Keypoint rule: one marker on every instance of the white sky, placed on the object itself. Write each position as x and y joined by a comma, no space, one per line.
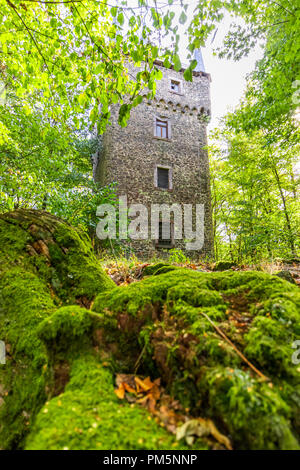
228,76
228,81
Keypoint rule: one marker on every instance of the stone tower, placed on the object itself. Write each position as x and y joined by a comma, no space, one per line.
160,157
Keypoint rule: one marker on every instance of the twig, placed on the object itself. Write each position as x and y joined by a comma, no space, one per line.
96,316
264,377
138,361
284,8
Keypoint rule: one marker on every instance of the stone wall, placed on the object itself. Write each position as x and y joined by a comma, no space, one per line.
130,155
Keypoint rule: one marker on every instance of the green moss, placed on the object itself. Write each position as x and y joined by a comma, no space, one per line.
223,265
14,239
24,303
77,268
88,415
58,253
70,421
270,346
43,264
237,279
65,328
252,411
286,275
158,268
259,314
166,324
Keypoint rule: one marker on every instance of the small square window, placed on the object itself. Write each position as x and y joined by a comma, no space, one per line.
161,129
163,178
175,86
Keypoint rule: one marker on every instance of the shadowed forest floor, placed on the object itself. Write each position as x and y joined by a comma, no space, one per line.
123,271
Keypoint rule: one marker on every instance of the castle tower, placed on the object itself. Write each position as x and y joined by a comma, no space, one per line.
160,157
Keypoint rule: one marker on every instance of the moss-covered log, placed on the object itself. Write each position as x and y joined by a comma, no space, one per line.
68,330
44,264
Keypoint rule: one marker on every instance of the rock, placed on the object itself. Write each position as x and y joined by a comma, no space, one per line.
158,268
292,260
175,315
286,275
223,265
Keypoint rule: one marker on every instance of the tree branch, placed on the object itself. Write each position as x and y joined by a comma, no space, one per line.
14,8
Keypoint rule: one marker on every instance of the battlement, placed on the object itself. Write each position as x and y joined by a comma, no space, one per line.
187,97
178,107
196,73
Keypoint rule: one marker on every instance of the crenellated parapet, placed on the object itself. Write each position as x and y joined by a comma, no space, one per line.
177,106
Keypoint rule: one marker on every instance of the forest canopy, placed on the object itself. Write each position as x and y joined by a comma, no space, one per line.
63,63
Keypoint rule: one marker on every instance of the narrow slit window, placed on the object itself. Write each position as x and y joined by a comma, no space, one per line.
163,178
164,235
162,129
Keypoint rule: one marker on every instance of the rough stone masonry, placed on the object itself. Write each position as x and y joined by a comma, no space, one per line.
160,157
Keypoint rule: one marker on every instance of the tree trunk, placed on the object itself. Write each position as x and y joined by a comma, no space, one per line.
287,217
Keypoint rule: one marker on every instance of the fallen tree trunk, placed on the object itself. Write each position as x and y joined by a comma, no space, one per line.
68,330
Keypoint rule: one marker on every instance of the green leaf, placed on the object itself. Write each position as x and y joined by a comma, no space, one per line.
158,74
188,75
114,11
98,69
120,19
193,64
182,18
177,63
82,99
138,100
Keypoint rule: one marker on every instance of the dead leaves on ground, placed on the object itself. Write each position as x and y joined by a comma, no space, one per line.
168,412
126,273
144,391
125,384
122,274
